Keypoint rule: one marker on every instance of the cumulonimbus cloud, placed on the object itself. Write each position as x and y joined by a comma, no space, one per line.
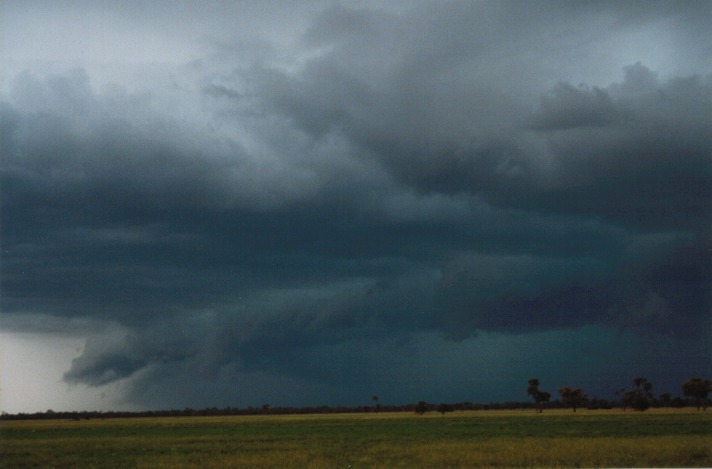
384,186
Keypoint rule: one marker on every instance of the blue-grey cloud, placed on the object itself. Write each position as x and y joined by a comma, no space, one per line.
414,177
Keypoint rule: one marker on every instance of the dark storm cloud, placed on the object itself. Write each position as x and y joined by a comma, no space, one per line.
410,174
629,152
671,294
570,107
636,152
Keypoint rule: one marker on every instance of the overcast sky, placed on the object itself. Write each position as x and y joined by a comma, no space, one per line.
308,203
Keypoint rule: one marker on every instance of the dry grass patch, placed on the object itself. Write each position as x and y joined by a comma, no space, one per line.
461,439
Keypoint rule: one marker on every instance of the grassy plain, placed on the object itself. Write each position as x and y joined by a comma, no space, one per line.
556,438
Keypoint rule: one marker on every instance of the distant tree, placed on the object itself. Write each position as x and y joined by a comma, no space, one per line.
621,393
638,398
374,398
422,407
666,397
536,394
573,397
442,408
598,403
543,397
698,389
533,388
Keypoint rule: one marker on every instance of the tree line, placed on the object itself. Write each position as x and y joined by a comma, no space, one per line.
639,397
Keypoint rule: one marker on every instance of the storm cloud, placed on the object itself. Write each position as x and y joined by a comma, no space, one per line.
373,199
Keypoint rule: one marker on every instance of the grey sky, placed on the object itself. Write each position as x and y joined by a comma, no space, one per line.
308,203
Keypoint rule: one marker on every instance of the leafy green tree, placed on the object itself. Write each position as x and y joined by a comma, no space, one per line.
573,397
537,395
698,389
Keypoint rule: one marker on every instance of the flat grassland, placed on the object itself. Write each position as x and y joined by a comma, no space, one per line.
556,438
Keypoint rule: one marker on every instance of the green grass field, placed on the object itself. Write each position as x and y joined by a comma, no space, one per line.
656,438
